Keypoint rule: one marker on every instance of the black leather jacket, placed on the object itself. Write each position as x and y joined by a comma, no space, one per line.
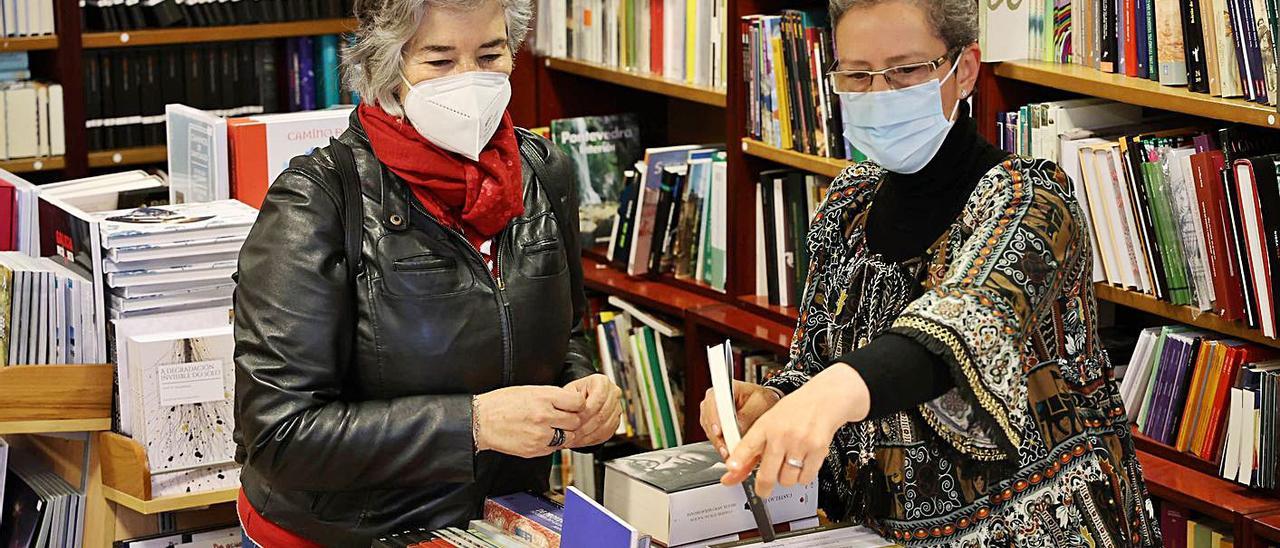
339,450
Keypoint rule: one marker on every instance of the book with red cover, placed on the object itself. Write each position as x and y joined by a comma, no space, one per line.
656,37
1173,524
8,217
1260,210
1223,268
1131,38
1237,354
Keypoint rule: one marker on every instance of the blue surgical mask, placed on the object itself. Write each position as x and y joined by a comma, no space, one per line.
899,129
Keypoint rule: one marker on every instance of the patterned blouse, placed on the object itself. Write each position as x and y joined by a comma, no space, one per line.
1032,447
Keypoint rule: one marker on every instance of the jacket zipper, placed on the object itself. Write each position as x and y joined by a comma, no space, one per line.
504,305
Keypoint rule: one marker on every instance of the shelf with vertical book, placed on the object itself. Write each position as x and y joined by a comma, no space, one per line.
637,80
828,167
1204,493
33,165
1181,314
1136,91
189,35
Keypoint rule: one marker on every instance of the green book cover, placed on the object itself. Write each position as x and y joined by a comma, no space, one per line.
1166,234
794,189
1201,535
657,433
1152,373
661,388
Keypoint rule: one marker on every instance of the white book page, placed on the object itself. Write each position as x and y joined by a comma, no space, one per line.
720,359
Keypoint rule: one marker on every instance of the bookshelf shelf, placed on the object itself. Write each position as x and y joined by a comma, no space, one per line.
1136,91
169,504
759,304
29,43
1150,445
188,35
129,156
1203,493
643,82
652,294
1267,527
1181,314
55,398
33,165
743,325
828,167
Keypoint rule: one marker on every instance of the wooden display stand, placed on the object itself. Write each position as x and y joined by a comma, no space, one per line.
55,398
126,480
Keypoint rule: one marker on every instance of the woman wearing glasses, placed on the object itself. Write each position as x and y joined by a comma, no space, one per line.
947,385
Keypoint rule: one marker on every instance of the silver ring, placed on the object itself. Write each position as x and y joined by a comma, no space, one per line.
795,463
557,437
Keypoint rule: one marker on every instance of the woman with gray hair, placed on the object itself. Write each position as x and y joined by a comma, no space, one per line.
408,318
947,385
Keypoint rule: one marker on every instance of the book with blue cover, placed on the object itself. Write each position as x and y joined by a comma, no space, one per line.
587,524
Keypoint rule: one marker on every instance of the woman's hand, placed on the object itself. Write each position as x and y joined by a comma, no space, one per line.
602,411
798,431
521,420
752,400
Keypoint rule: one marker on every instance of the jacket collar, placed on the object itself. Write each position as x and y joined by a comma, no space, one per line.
390,191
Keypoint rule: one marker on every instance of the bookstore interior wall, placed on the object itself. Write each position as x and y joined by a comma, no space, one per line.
709,134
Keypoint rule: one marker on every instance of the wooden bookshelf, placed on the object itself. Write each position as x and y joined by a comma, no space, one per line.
1266,529
1150,445
33,165
190,35
829,167
1181,314
170,504
745,326
1137,91
640,81
29,43
55,398
759,304
129,156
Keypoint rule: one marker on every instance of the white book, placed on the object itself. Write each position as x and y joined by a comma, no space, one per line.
1248,435
762,272
199,272
183,247
199,163
675,495
643,31
57,116
4,130
46,16
42,119
96,183
1069,152
1137,257
20,118
1115,236
12,27
110,266
1133,387
1259,261
196,299
224,218
785,284
183,386
1230,467
646,318
720,364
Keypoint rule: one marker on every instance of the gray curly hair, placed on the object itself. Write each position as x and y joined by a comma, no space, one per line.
373,64
954,21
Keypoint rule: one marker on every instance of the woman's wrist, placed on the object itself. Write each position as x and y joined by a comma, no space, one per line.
851,388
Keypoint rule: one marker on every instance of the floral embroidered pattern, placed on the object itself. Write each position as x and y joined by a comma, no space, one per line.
1032,446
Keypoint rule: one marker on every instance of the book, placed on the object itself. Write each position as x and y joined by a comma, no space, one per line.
198,157
262,146
587,523
533,518
675,496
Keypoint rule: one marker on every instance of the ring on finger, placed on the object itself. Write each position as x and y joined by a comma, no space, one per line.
795,463
557,437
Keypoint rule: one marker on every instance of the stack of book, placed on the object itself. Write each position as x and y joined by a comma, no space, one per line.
1213,398
126,90
45,312
31,115
218,536
682,40
641,354
27,18
673,217
111,15
40,508
1187,215
791,102
1224,48
1180,528
19,202
787,200
172,258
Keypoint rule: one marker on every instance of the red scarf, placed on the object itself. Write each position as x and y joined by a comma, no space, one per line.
479,198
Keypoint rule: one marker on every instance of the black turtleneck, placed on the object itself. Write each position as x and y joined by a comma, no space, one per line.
908,214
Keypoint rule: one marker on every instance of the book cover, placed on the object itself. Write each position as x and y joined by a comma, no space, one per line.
1193,405
1193,43
262,146
158,225
1226,279
602,149
330,83
198,160
529,517
656,161
1177,398
1260,216
1239,245
587,524
1171,54
183,388
1263,19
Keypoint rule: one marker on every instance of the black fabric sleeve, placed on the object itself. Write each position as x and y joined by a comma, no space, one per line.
900,373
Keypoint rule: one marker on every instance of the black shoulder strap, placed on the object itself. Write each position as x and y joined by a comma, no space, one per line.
352,206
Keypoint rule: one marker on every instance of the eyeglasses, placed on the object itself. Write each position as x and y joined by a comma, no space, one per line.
901,76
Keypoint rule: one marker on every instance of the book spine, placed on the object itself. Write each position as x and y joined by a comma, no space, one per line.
1239,248
1193,46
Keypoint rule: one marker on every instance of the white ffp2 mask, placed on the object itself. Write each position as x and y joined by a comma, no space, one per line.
459,113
